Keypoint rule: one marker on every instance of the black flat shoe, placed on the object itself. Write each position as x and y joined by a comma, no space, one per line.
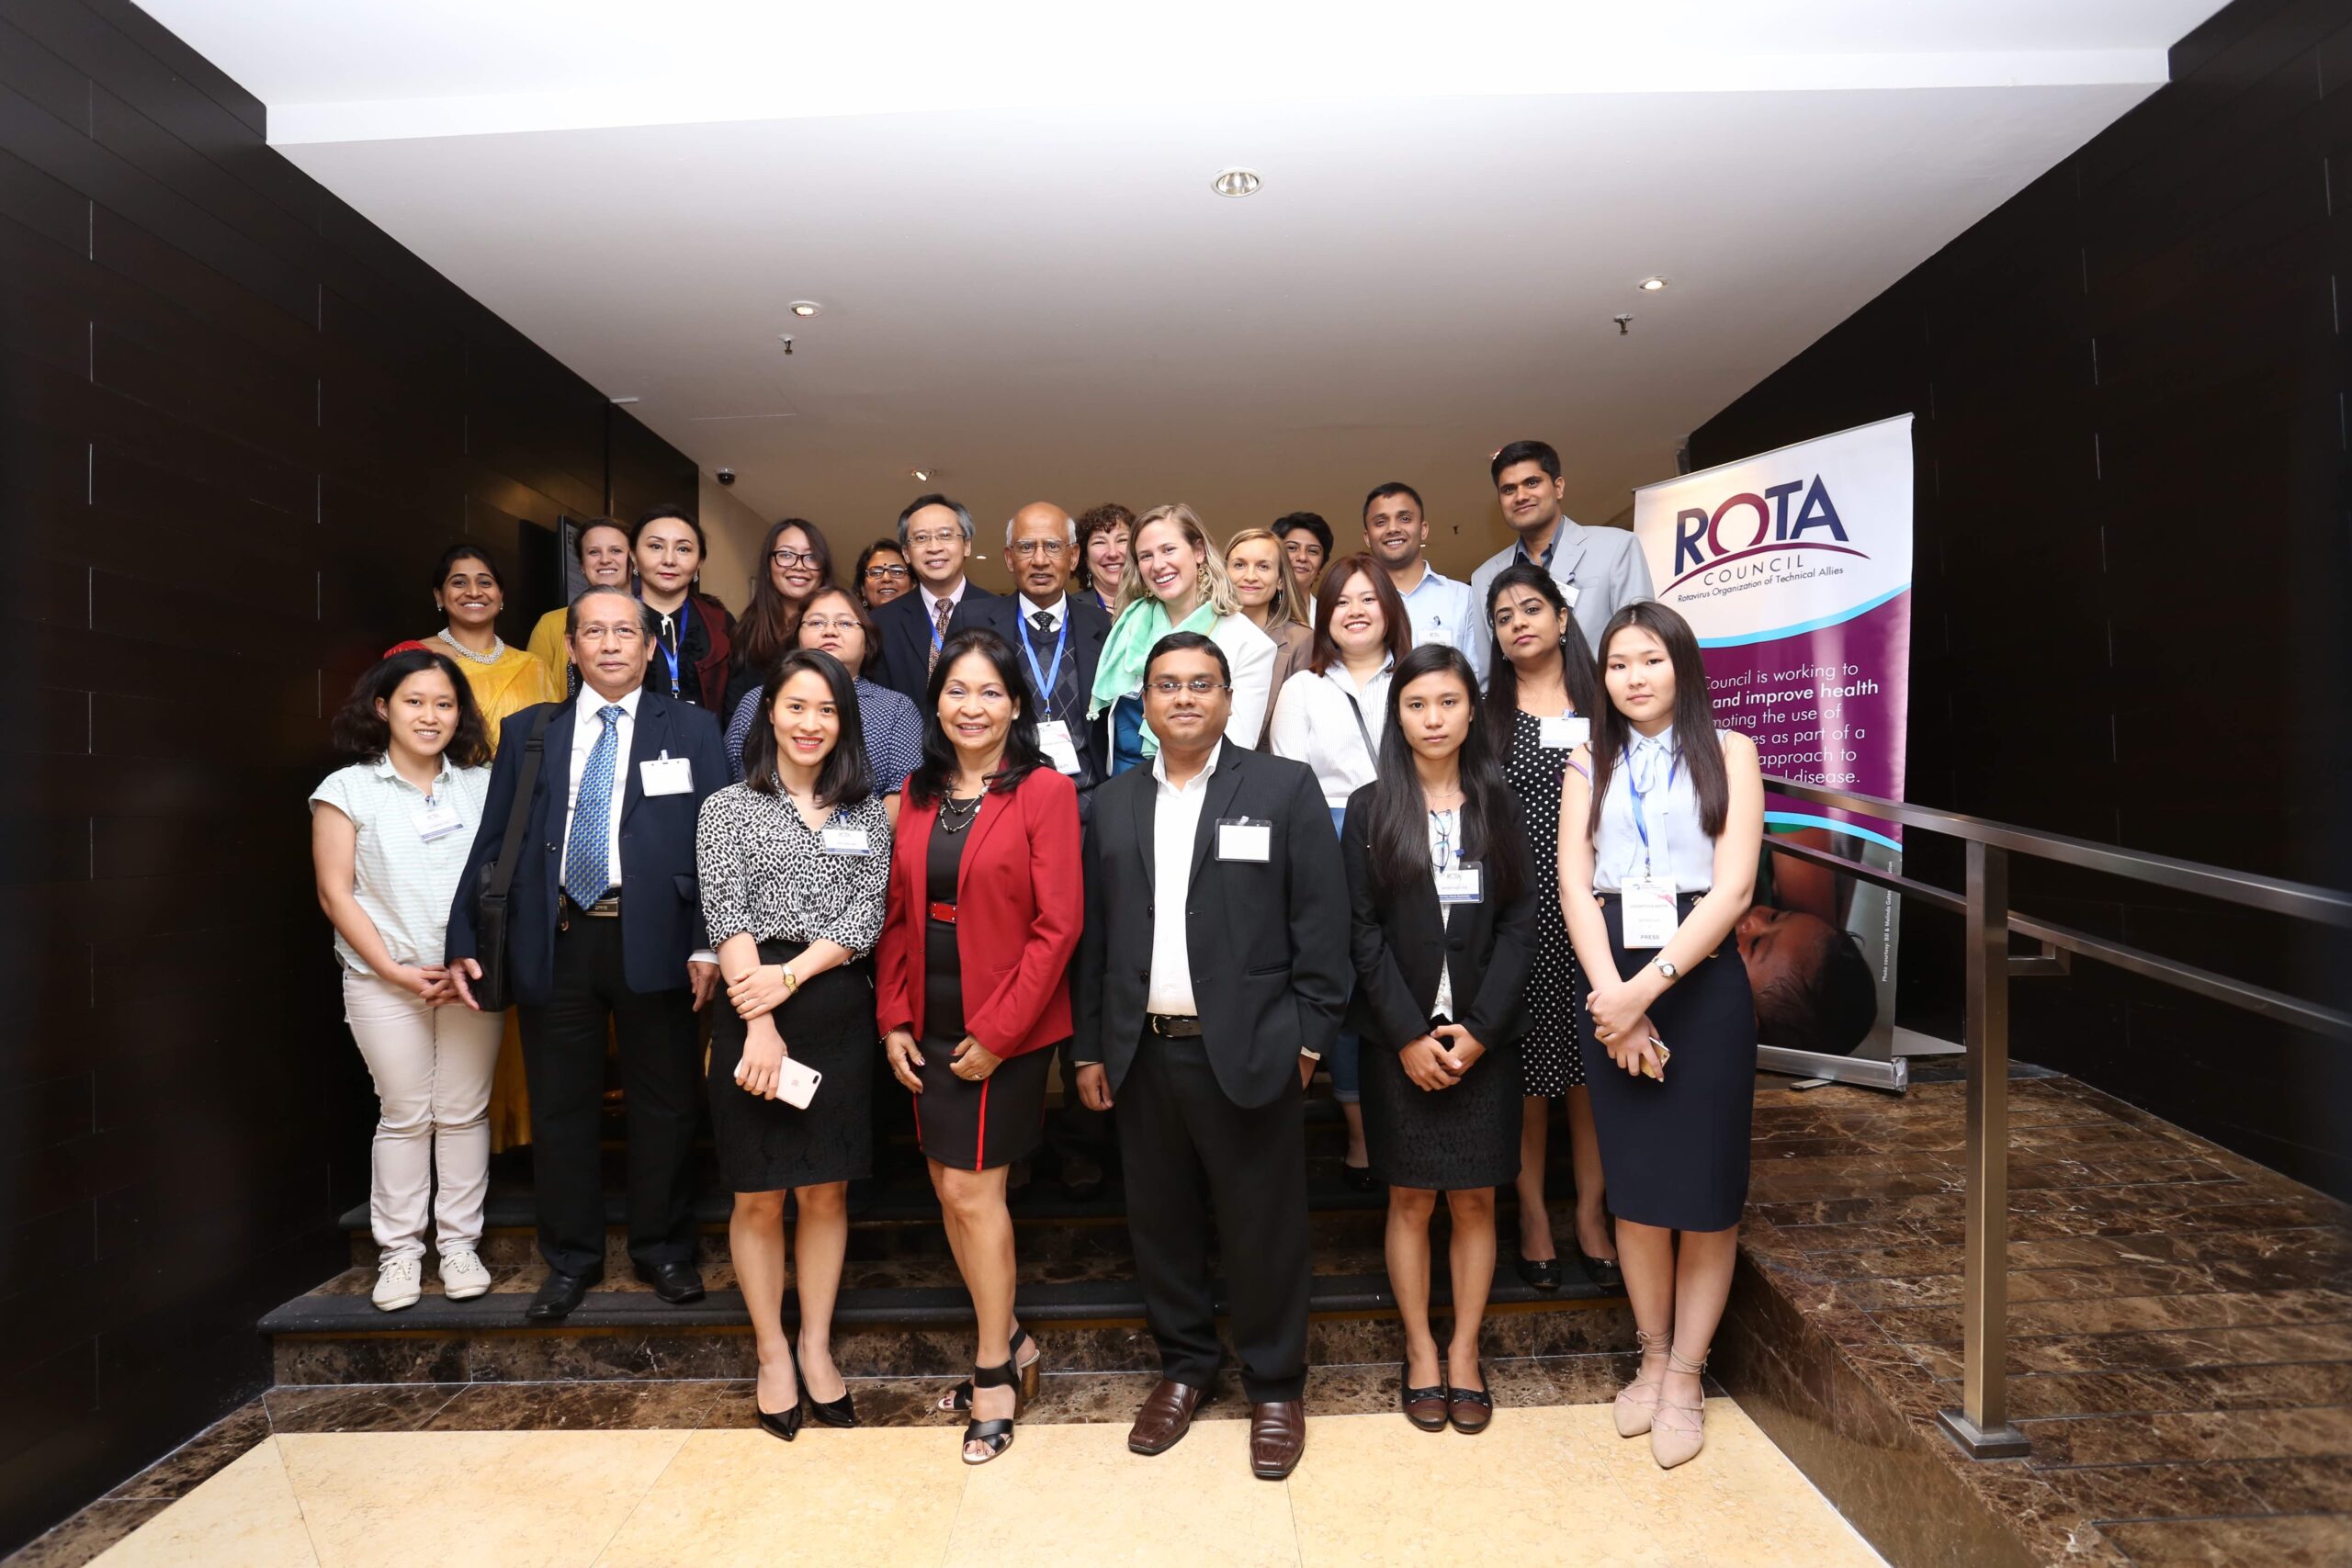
842,1412
1540,1273
1359,1178
1081,1178
1424,1407
1471,1410
1602,1271
677,1283
559,1296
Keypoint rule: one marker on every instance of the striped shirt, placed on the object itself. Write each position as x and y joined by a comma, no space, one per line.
404,881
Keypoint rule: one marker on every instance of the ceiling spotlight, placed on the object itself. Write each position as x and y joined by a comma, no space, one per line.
1235,182
1650,285
920,475
810,307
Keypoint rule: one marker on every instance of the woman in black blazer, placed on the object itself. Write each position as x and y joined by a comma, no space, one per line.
1444,931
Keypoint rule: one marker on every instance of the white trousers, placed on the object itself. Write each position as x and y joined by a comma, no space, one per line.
432,1067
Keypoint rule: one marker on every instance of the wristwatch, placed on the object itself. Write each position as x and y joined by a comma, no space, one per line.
1667,968
791,981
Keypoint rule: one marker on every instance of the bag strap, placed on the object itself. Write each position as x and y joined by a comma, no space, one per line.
502,878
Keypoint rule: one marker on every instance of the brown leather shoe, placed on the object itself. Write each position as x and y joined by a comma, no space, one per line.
1277,1436
1166,1416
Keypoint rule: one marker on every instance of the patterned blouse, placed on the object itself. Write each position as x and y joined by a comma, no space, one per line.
765,875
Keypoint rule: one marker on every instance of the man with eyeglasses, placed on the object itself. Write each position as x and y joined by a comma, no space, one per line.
1211,977
935,533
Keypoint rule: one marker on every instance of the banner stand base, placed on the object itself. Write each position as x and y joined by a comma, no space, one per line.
1894,1077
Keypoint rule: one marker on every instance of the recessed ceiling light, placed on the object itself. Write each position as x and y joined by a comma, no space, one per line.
1235,182
806,307
1650,285
920,475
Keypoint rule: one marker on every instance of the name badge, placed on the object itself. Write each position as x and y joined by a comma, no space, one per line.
1054,735
1571,592
1463,885
1240,838
439,820
844,841
668,775
1650,915
1564,734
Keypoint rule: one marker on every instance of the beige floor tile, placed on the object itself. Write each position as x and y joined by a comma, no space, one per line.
844,1499
1740,1502
507,1499
1074,1495
243,1517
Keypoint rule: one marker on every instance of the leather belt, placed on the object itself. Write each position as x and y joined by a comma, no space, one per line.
608,907
944,913
1175,1026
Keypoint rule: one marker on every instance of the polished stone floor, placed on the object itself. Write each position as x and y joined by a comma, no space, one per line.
670,1475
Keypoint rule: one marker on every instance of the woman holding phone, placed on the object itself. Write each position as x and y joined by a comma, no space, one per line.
795,864
1444,931
1661,818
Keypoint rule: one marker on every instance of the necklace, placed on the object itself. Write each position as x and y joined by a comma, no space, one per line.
955,815
497,648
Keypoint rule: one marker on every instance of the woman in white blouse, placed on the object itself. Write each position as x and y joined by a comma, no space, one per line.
1329,716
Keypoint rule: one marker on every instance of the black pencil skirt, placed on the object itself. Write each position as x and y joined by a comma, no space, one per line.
766,1145
1675,1154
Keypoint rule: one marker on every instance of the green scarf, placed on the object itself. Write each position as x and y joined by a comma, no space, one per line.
1119,672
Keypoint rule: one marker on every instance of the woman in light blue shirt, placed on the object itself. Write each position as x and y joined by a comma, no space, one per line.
1660,822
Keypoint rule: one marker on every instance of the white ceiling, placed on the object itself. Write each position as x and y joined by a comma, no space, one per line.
1028,286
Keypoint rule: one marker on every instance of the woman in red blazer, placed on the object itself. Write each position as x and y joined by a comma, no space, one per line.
971,983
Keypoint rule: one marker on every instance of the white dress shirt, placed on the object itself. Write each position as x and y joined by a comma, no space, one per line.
1442,612
1314,724
586,730
1175,828
1054,613
930,602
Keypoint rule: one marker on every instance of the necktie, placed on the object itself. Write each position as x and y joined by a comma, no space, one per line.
940,616
1044,621
586,874
1650,766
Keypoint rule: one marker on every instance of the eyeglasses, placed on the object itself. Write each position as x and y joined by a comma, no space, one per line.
1030,549
940,536
889,574
795,557
1199,685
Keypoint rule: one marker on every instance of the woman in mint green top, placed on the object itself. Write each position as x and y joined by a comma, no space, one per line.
1175,581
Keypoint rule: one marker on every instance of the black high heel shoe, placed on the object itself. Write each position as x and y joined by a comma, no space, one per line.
995,1435
783,1424
959,1398
840,1413
1359,1178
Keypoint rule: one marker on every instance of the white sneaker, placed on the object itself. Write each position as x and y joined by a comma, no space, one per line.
462,1275
399,1282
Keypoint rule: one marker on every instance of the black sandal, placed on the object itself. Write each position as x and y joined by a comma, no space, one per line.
997,1435
959,1398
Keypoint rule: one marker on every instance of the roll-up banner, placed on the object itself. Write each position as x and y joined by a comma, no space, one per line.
1794,570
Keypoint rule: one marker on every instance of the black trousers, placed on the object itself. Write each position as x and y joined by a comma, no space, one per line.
564,1059
1190,1153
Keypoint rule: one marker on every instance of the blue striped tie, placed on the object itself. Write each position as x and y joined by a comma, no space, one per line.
585,873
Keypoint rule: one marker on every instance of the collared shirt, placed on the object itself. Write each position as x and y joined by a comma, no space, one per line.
1316,723
1677,844
1442,611
1175,828
1054,613
404,881
586,730
930,602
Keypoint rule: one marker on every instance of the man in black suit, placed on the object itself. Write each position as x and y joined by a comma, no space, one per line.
1211,977
1060,641
936,535
605,937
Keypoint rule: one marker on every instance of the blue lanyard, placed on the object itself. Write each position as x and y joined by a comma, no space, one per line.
1634,794
686,619
1053,672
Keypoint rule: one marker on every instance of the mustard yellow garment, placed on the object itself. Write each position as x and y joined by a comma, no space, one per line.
548,647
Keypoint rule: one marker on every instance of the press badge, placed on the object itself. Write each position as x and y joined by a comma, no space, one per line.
844,841
1463,885
1563,734
1241,839
1053,735
1649,909
668,775
439,820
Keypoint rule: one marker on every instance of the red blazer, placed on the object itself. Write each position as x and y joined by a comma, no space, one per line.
1019,905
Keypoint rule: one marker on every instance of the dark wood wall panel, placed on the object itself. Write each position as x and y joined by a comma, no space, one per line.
238,423
2131,614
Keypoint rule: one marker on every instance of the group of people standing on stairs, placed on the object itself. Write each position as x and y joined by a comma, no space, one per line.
1147,815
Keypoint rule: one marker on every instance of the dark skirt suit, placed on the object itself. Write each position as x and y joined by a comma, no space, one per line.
1467,1136
1007,935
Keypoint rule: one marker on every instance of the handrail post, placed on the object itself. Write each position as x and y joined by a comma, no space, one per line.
1980,1427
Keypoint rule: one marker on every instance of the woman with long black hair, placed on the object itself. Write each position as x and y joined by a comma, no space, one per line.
794,564
1443,928
1540,699
1657,861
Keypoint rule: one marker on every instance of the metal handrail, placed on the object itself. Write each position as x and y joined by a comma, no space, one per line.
1981,1426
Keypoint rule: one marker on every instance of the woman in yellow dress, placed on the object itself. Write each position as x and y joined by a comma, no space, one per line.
504,681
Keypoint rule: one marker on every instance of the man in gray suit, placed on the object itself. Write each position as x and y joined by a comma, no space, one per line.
1599,571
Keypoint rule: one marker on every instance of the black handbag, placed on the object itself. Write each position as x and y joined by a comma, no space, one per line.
494,992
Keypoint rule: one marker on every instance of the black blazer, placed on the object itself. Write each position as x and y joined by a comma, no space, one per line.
903,628
1399,941
661,899
1267,942
1090,628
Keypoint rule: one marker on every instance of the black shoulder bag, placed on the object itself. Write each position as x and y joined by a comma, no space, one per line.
495,990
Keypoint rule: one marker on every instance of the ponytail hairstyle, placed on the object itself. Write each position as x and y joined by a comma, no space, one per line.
1694,715
1492,832
1577,665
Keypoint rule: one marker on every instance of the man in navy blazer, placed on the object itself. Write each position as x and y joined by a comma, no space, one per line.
605,940
936,534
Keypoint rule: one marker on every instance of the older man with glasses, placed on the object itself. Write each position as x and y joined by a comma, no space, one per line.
935,533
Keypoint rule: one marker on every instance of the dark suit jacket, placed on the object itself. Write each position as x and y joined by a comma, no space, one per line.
1400,938
903,628
1268,942
1089,628
661,901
